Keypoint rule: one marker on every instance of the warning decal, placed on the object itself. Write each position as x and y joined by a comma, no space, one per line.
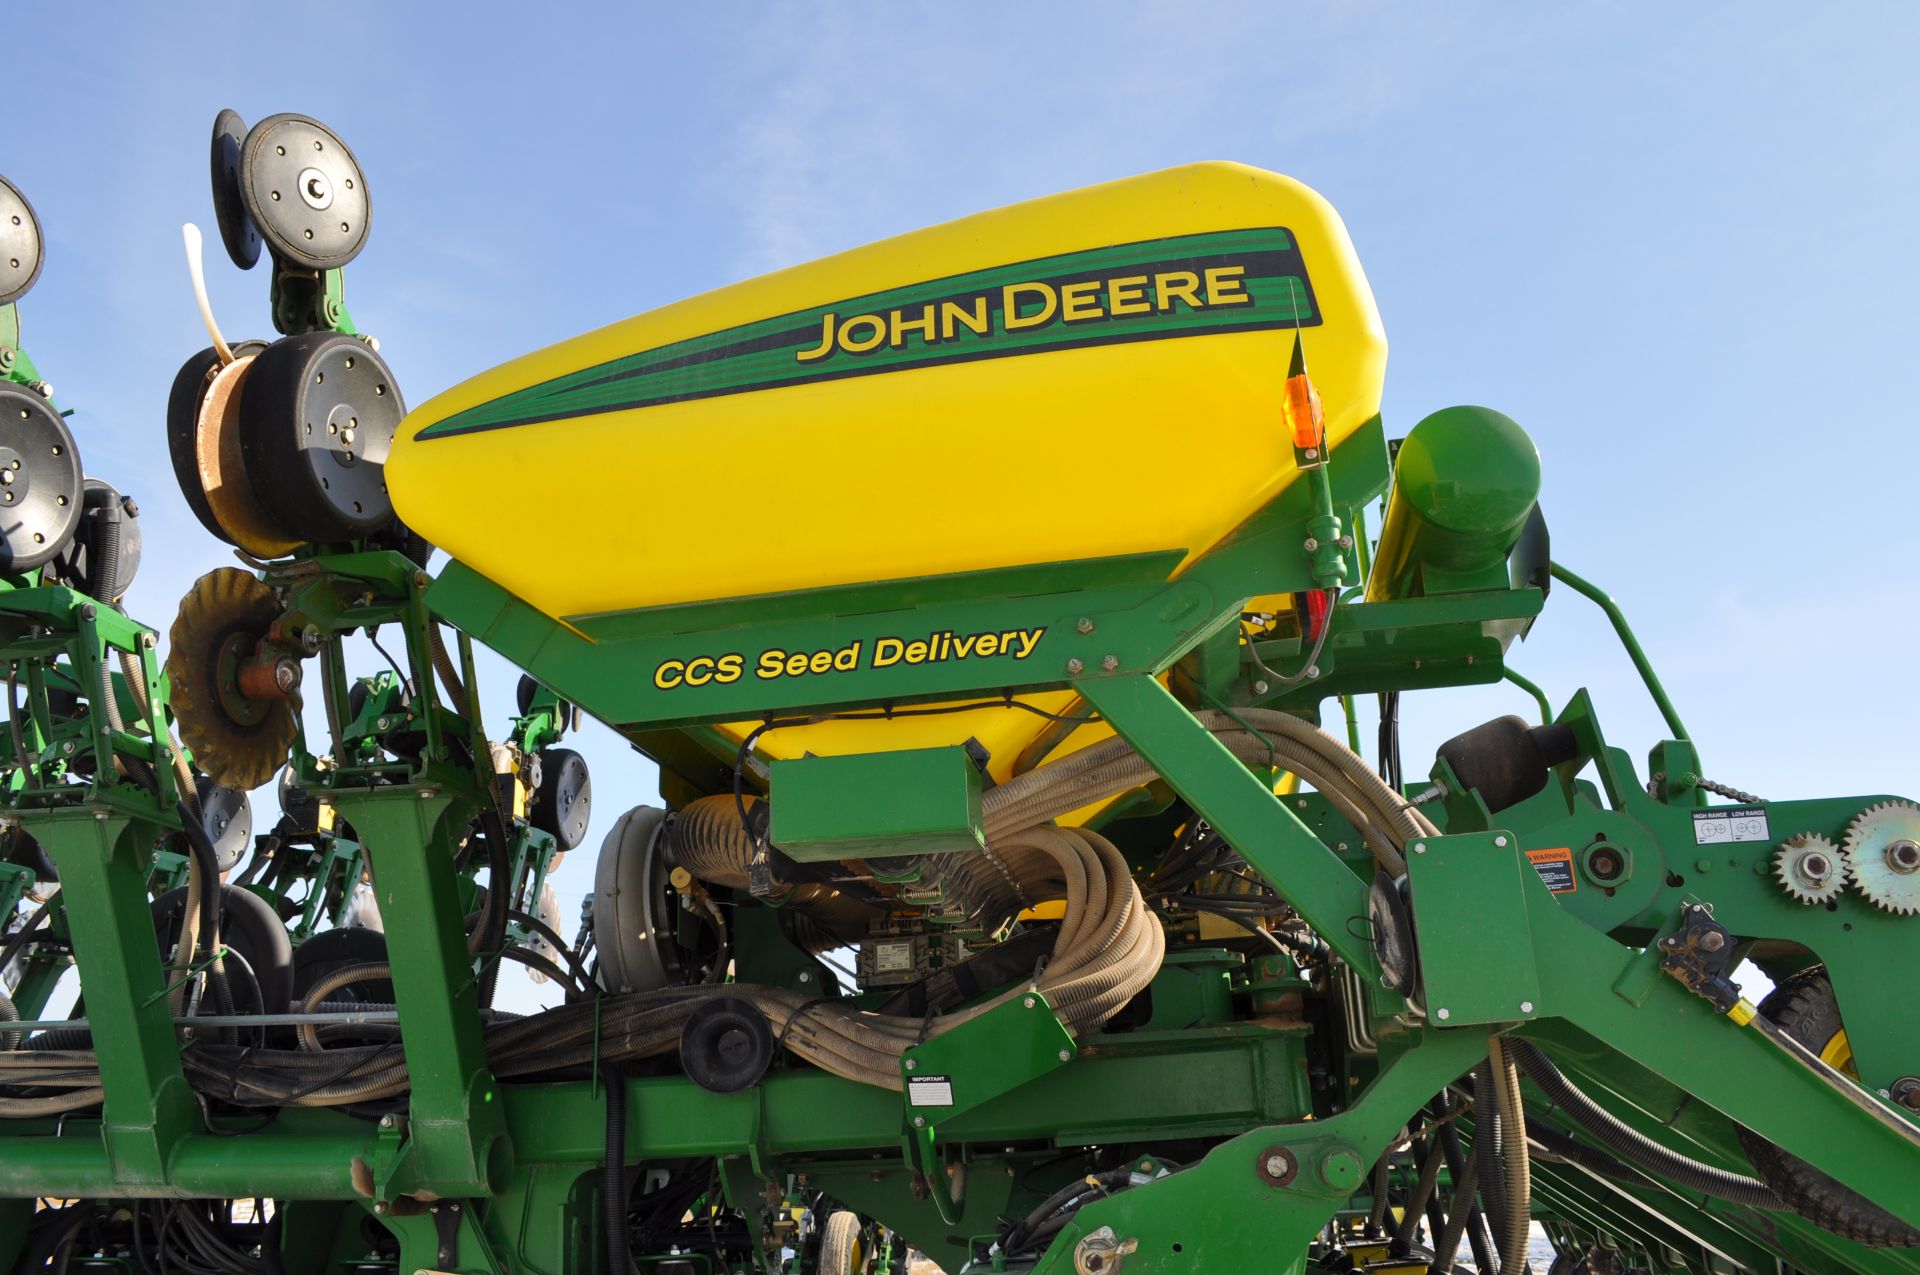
1736,823
930,1091
1555,867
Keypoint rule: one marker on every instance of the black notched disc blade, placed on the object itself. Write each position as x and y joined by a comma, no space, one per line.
21,249
318,414
237,230
305,192
40,480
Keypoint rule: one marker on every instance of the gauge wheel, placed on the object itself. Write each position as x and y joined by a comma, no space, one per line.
843,1249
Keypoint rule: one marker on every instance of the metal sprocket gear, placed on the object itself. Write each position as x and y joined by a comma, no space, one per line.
1810,868
238,739
1882,846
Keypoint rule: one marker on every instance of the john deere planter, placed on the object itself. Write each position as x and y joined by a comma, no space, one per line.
995,601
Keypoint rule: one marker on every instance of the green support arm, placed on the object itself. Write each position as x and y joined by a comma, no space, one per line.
1309,876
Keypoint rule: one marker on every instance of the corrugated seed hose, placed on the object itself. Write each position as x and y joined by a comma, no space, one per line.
1517,1172
1631,1145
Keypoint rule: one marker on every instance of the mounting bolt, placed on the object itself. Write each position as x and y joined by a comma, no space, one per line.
1501,842
1029,1002
1526,1007
146,641
1419,847
1443,1013
912,1064
919,1122
428,794
1074,665
1260,688
1712,941
1311,544
1277,1166
387,1122
1346,542
379,1206
1066,1055
1084,624
1109,662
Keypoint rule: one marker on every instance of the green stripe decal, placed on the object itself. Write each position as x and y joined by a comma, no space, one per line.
1157,289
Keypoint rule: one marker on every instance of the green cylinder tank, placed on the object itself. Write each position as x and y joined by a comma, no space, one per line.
1464,484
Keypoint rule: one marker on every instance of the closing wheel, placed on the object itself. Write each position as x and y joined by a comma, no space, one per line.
305,192
22,251
184,403
239,516
318,413
563,805
1805,1007
239,739
40,480
237,231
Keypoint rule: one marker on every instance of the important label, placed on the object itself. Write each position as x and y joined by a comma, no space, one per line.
1724,827
1555,867
930,1091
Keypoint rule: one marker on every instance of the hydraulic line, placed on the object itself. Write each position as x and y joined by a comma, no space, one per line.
1459,1213
1464,1171
1634,1147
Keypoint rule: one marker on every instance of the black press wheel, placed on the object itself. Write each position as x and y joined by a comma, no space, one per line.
40,480
318,415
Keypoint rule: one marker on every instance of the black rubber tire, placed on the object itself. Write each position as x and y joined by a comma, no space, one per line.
839,1240
331,950
183,425
294,421
250,926
1805,1007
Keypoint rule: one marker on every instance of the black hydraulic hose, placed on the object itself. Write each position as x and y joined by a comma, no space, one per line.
1377,1215
24,935
208,861
1486,1136
1562,1146
13,716
1460,1214
1633,1146
499,888
613,1180
1463,1170
1422,1195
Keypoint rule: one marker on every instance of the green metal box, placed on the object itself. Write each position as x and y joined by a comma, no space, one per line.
909,802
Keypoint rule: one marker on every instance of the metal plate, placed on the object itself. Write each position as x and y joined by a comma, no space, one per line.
22,252
237,230
305,192
40,479
318,416
222,470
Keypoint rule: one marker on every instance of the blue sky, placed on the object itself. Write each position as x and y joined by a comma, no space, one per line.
1673,241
